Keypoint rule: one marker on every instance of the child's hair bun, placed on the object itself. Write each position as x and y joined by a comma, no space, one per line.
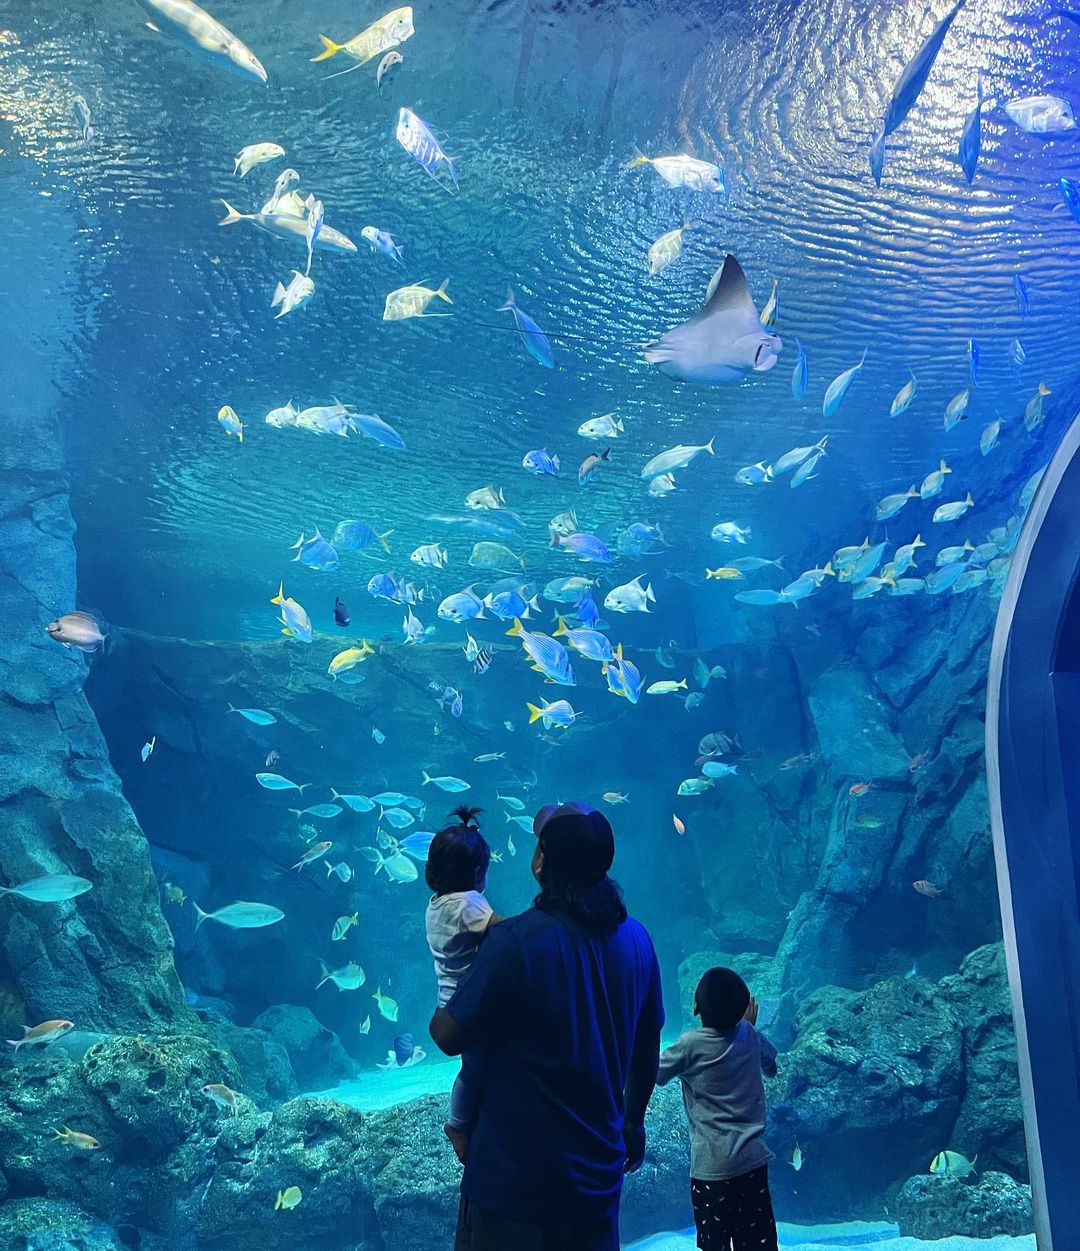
467,816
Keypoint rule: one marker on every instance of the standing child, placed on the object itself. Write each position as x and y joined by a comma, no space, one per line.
720,1067
457,919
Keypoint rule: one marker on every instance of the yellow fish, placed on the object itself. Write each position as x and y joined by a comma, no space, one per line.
175,894
412,300
288,1199
387,1006
74,1139
389,31
347,660
723,573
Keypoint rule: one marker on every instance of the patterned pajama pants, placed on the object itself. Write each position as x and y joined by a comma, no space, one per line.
735,1215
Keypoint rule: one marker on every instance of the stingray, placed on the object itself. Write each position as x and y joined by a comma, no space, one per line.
724,341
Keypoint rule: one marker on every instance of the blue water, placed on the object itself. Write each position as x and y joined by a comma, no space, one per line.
138,318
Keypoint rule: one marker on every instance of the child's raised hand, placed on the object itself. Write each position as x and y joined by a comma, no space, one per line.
751,1011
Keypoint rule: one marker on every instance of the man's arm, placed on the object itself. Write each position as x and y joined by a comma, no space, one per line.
446,1033
640,1083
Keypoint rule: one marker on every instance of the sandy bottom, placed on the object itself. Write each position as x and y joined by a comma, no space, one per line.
379,1089
852,1236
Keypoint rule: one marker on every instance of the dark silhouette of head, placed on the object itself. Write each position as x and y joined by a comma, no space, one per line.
721,999
459,855
575,848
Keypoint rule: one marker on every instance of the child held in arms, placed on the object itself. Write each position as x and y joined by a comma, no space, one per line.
720,1066
457,920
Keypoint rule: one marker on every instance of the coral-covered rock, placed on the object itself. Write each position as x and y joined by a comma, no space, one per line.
265,1073
55,1225
317,1057
981,1206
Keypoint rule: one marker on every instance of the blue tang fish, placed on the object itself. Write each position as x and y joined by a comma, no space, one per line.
536,342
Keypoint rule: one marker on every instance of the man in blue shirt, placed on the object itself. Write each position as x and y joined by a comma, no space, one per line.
565,1002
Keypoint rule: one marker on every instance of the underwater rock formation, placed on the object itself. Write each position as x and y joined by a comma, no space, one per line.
315,1053
990,1203
104,959
57,1225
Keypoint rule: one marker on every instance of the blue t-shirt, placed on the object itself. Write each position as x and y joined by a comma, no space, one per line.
557,1011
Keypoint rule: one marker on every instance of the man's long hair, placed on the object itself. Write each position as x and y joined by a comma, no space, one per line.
597,907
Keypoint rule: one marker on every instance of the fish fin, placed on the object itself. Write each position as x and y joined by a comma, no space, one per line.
639,158
649,596
562,628
510,304
202,915
236,167
534,713
155,29
382,539
427,777
709,446
351,70
516,629
231,215
279,598
440,291
329,49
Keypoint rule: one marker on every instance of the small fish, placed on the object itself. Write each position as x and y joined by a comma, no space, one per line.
557,715
81,109
288,1199
483,660
80,630
661,486
800,375
929,889
718,769
970,145
387,32
797,1158
314,852
148,749
342,926
988,440
43,1034
365,1025
324,811
787,462
954,511
175,894
539,462
256,154
770,314
666,687
890,505
378,735
73,1138
355,536
1070,195
755,475
858,789
585,546
241,915
956,409
387,1006
623,677
1041,115
674,458
1016,353
667,248
223,1096
387,67
416,137
349,977
489,757
1033,413
272,757
678,823
973,360
903,399
933,482
588,467
805,471
631,597
294,619
536,342
195,30
760,598
694,786
838,388
683,171
944,579
1020,291
288,299
412,301
451,785
869,822
341,613
346,662
52,888
952,1164
729,532
615,797
801,761
275,782
723,573
313,229
230,422
342,871
607,426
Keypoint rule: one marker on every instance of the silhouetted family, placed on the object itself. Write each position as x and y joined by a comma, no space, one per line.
557,1015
